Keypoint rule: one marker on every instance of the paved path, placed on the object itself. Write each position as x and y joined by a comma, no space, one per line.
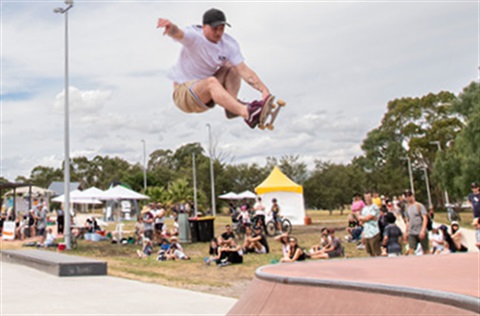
24,290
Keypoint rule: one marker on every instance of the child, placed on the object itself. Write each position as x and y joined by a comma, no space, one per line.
437,241
392,237
50,239
147,248
212,251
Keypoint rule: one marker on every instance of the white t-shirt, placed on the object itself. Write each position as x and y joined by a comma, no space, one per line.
259,208
201,58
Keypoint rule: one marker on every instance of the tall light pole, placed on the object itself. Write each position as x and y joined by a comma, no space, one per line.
427,183
66,172
144,165
211,168
194,185
447,200
410,173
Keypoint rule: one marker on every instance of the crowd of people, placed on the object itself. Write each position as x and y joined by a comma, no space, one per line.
373,226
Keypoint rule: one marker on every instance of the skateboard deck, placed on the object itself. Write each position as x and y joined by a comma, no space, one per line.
269,113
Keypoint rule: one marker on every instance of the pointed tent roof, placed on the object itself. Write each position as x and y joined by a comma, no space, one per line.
278,181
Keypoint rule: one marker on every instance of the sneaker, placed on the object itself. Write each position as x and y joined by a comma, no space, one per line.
361,246
254,110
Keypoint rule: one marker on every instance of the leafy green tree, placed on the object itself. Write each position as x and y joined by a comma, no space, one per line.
459,164
43,176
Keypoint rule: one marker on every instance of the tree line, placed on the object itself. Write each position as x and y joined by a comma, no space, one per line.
438,133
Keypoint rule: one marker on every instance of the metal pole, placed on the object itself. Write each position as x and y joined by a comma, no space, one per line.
410,174
211,169
428,186
144,166
447,201
194,185
66,172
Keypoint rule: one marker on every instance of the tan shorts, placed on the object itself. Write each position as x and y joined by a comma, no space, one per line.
372,245
185,99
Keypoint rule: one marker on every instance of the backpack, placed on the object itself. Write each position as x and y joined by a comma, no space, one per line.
429,220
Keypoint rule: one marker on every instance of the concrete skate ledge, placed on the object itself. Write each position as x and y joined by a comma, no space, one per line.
453,299
55,263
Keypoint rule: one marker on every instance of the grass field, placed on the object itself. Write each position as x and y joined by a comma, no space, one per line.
194,274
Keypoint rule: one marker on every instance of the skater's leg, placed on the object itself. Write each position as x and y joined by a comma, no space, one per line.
230,79
211,89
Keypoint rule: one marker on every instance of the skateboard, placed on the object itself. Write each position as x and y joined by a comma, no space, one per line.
269,113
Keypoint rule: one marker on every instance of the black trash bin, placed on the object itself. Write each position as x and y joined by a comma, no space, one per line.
193,223
201,228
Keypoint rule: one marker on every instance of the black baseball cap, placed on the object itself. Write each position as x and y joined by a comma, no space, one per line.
474,185
214,18
408,193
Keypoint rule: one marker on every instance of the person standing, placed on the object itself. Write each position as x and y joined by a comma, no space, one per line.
416,224
357,204
275,211
259,217
474,199
60,221
210,68
371,232
41,220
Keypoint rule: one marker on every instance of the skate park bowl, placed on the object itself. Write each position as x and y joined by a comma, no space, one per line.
414,285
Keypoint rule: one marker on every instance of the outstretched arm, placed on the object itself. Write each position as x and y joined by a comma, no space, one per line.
252,79
171,29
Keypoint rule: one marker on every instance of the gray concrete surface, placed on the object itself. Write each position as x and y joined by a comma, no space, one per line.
26,291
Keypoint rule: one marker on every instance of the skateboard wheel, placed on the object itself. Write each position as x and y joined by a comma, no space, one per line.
281,102
270,127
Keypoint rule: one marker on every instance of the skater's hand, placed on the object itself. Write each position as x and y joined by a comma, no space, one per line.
170,29
164,23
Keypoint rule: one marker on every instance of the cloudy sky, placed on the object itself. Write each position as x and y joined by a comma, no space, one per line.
336,63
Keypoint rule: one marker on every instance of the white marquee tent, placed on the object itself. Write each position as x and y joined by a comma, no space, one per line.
289,196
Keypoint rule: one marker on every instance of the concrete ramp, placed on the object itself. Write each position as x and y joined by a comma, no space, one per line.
55,263
425,285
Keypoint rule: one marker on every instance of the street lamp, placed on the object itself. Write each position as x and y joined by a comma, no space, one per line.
144,165
211,168
410,173
66,172
436,142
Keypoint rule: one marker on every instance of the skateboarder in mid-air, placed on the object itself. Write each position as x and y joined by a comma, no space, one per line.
210,69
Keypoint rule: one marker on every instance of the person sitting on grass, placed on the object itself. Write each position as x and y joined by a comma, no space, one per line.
226,236
334,248
255,242
392,240
284,240
458,238
176,254
354,229
325,239
50,239
437,241
212,251
295,253
231,254
147,249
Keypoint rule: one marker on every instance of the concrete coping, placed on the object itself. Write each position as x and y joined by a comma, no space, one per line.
453,299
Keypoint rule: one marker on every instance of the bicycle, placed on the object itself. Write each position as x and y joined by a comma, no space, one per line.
272,227
452,215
